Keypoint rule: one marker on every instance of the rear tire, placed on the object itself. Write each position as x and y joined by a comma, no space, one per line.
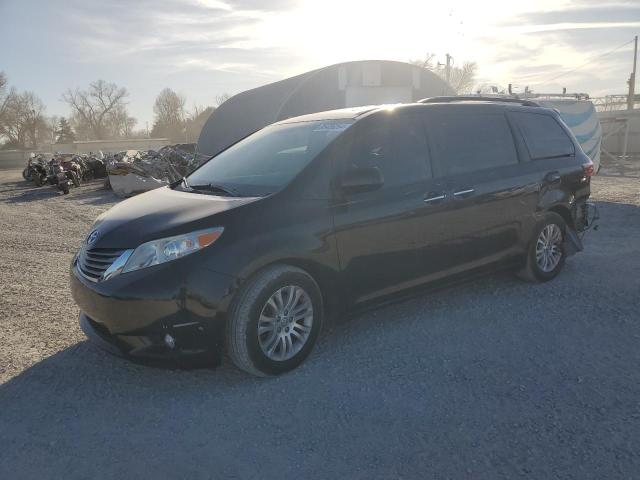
276,299
65,189
545,255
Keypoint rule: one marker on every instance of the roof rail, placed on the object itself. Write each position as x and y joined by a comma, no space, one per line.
578,96
478,98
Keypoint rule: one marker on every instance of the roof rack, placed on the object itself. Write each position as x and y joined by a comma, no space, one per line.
577,96
478,98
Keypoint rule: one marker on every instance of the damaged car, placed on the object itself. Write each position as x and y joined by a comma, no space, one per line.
271,240
136,171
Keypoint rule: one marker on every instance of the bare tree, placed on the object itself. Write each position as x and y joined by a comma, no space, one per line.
461,79
196,119
34,115
3,93
120,124
23,123
100,111
196,111
169,107
3,83
169,115
220,99
6,95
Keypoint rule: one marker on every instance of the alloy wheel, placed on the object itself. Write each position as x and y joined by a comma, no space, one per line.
549,248
285,323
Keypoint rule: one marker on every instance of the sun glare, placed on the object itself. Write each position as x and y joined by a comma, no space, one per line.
334,31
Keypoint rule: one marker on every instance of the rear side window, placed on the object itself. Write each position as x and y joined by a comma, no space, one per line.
395,145
463,143
544,136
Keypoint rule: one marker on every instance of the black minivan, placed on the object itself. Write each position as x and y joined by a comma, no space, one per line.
317,215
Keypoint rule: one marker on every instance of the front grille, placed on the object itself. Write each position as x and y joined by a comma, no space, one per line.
93,262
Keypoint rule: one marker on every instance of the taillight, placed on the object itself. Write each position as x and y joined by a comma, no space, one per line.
587,169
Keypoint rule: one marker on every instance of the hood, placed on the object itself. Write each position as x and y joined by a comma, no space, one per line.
160,213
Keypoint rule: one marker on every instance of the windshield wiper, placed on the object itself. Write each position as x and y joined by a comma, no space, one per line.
210,187
182,182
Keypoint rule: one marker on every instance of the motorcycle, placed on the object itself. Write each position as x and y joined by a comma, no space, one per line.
62,178
73,164
26,172
86,173
36,171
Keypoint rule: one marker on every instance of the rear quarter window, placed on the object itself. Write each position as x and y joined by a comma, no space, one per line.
469,142
543,135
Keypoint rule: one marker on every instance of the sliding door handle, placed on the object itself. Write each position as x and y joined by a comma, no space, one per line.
464,193
434,198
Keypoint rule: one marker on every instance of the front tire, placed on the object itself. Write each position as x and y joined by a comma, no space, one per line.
274,321
546,255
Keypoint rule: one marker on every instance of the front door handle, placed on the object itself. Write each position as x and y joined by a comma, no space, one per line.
434,197
464,193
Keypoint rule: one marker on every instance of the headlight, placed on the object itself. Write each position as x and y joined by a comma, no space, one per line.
171,248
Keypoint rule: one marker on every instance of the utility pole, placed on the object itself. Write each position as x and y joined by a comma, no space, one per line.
447,70
632,78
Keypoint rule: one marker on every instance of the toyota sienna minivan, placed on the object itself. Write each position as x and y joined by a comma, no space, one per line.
314,216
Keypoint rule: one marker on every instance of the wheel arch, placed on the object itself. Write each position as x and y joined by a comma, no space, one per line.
325,278
564,212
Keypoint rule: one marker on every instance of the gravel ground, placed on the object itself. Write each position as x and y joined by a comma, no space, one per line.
491,379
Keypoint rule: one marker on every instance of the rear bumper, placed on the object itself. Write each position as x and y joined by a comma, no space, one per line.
586,217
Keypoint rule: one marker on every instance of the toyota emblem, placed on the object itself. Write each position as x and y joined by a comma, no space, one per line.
92,237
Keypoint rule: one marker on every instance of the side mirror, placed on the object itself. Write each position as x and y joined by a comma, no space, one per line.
360,180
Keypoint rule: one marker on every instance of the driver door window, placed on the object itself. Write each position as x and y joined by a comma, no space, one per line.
396,145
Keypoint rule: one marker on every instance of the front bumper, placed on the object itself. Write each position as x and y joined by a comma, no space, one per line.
132,314
150,344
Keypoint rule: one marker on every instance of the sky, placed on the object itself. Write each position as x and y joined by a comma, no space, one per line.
203,48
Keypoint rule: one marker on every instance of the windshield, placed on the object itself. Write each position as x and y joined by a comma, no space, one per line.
268,160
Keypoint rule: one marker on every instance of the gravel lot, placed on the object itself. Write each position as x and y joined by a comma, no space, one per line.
491,379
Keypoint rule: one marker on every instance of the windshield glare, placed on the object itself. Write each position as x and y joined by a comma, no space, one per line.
270,158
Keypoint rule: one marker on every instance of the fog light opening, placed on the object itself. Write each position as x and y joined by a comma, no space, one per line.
169,341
